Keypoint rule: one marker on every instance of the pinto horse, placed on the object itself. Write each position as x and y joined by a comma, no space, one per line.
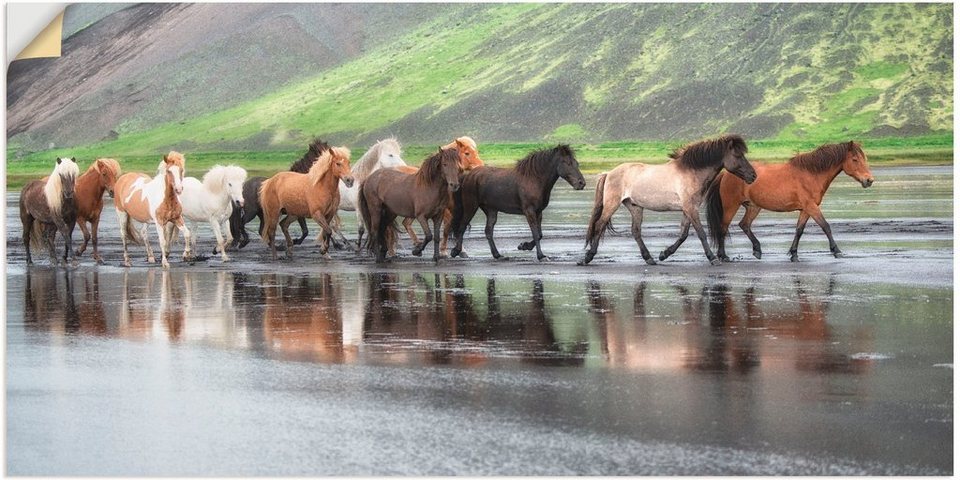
522,190
99,178
390,193
679,184
314,194
251,191
47,207
156,201
799,184
212,201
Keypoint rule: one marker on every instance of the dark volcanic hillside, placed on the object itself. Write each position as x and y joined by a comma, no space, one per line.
217,77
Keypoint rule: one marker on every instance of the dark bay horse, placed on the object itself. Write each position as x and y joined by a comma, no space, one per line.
800,184
389,193
678,185
47,207
522,190
251,203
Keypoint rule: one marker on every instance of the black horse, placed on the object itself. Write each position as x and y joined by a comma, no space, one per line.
241,216
521,190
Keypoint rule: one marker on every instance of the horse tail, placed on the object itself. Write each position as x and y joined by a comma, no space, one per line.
592,228
270,206
714,202
36,235
132,234
365,218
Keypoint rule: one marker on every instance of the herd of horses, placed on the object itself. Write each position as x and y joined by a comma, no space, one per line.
447,189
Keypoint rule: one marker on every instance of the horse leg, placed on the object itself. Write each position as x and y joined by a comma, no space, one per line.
221,242
684,232
532,243
144,229
188,239
636,212
600,222
360,230
488,231
533,218
746,224
383,224
49,237
326,233
694,216
427,236
66,231
164,245
94,236
408,226
801,224
82,223
28,227
729,211
436,234
122,220
285,228
303,230
814,211
446,218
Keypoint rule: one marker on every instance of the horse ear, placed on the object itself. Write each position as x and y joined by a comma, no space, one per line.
461,143
58,160
852,146
73,159
440,149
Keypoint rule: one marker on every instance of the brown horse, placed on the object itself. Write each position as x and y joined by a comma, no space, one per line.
522,190
388,193
47,207
469,159
678,185
314,194
99,178
152,200
799,184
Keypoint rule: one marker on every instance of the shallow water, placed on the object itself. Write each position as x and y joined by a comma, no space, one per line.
829,366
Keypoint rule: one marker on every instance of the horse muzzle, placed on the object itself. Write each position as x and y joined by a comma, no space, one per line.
453,186
238,203
866,182
348,181
749,178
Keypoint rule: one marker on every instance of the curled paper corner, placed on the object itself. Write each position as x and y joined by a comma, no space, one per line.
47,43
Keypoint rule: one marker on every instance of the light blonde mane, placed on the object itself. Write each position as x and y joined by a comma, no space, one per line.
53,189
323,163
109,163
368,161
214,179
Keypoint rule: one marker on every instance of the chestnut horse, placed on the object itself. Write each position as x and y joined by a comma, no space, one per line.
241,216
389,193
314,194
799,184
99,178
679,184
47,207
145,200
522,190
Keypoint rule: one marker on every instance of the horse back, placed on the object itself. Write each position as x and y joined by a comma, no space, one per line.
127,197
89,195
33,202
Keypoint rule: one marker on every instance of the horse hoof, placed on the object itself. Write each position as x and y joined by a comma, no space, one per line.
526,246
715,262
243,243
417,253
756,253
838,254
794,258
463,255
152,260
663,256
298,241
650,261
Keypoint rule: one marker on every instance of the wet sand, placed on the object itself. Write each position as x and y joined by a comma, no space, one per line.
476,366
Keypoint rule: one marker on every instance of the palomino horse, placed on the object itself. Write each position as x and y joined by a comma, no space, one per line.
99,178
389,193
522,190
48,207
678,185
251,191
212,201
469,159
314,194
383,154
799,184
145,200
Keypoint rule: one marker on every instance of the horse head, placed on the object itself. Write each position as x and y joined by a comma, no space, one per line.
569,168
735,160
340,165
855,164
233,179
109,170
67,170
468,155
450,167
389,155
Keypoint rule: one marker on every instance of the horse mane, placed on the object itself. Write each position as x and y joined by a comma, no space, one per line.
364,166
323,163
316,148
109,163
429,170
177,159
707,153
825,157
213,179
53,189
541,162
467,140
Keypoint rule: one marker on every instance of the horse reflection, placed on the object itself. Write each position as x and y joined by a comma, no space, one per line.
142,317
302,318
50,303
442,323
740,334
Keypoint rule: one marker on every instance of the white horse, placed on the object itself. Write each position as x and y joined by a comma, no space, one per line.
212,201
383,154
